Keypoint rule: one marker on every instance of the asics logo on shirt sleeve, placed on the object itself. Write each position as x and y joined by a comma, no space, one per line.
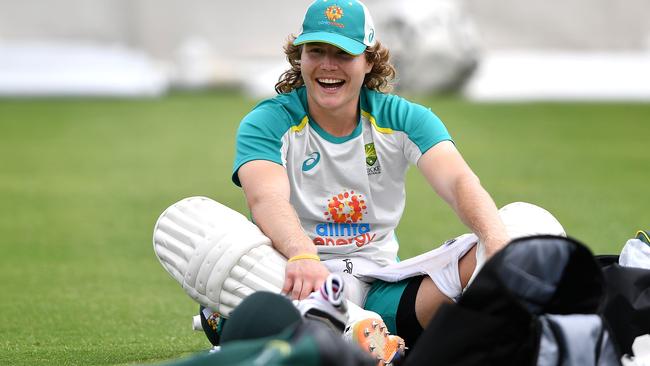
311,161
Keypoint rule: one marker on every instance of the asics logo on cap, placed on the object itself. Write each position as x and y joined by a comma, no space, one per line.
371,36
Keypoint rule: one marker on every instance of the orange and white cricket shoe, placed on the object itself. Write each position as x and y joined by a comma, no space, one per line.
372,335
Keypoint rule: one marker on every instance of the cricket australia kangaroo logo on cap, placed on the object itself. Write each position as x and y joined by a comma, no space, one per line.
334,13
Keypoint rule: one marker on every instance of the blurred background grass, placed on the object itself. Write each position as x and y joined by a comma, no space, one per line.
83,181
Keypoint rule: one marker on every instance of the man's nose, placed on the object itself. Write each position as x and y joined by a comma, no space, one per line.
329,63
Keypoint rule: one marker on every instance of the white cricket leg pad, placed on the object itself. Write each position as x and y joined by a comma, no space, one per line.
219,257
216,254
522,219
525,219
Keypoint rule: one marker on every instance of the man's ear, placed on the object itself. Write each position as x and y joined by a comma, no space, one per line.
369,66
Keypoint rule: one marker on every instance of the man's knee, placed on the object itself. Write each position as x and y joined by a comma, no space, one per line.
428,301
466,266
453,279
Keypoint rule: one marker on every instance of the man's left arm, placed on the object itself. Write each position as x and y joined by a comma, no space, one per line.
450,176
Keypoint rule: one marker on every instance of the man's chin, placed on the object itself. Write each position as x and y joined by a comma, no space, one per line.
330,101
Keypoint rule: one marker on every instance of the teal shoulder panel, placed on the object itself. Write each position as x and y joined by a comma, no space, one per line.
393,113
259,136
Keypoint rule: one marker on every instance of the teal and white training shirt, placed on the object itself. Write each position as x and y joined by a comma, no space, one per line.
347,191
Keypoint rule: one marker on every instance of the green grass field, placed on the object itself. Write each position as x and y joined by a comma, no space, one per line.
83,181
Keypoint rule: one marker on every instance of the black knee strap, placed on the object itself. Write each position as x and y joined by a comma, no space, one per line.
408,326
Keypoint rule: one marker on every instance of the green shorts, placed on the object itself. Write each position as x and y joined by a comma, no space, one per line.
383,298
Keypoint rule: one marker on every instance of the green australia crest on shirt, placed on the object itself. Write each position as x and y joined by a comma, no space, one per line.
371,154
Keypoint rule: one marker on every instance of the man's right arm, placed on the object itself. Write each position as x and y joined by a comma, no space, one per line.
267,190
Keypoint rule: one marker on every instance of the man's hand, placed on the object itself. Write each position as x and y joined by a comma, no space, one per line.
269,201
304,276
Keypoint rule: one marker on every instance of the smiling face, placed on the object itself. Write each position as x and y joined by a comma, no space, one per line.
333,79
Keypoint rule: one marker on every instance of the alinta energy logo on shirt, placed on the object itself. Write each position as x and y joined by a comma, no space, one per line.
344,226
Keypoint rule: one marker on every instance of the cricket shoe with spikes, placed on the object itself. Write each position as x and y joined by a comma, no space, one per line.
372,335
327,305
362,327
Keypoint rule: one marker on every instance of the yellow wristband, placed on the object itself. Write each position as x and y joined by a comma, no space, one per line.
304,256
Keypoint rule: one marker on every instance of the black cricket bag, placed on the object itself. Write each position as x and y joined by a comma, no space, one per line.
534,303
626,306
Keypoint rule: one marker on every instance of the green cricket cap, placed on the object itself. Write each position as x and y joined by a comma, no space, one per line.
344,24
262,314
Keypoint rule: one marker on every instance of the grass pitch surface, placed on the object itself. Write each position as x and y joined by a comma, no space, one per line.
83,181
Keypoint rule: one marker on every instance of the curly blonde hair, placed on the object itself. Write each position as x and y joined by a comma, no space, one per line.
380,78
